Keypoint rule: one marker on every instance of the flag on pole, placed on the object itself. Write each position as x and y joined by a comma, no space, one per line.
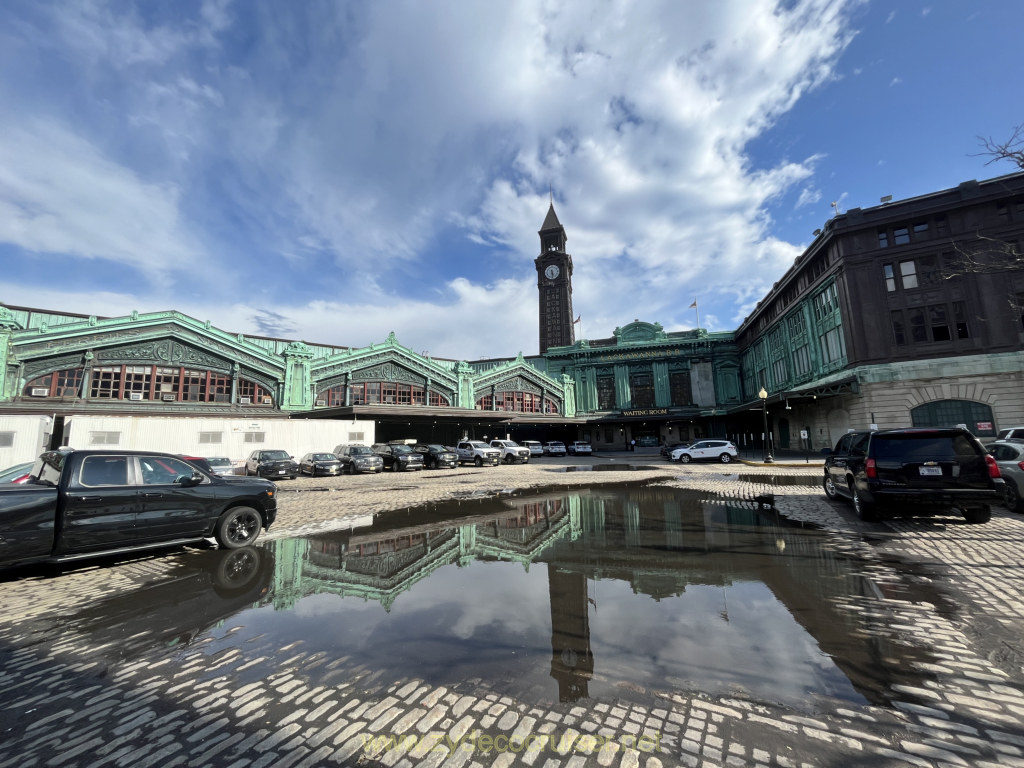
578,318
694,305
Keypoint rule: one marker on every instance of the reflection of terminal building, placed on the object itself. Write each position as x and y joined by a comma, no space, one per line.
657,540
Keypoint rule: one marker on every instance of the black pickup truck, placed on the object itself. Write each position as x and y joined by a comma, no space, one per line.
80,504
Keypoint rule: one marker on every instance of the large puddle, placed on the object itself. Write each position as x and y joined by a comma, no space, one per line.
620,592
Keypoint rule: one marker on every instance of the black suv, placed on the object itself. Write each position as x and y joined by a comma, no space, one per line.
924,470
398,457
437,456
276,464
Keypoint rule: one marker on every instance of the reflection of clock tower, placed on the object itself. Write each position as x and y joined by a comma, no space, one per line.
554,285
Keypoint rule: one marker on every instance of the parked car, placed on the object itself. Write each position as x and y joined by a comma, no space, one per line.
398,457
357,459
436,456
1011,433
477,452
314,464
916,470
1009,455
706,450
534,446
221,465
580,448
90,503
554,448
19,473
511,452
667,448
275,463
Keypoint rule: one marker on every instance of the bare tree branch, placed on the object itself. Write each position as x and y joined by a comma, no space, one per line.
1012,149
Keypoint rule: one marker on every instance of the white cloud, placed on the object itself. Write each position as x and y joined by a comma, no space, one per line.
351,138
808,195
59,194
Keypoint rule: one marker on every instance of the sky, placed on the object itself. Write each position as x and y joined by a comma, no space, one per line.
334,171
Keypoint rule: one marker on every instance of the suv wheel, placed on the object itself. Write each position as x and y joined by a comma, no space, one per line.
725,458
684,458
830,487
1013,502
977,515
865,510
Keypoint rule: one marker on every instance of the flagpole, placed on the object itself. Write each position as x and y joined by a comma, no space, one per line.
697,311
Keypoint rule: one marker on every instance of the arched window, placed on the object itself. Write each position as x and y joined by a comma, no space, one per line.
382,393
950,413
518,402
148,383
66,383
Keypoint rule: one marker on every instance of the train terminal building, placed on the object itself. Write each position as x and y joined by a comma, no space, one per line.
907,313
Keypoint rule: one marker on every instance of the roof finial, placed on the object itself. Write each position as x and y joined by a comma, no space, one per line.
551,194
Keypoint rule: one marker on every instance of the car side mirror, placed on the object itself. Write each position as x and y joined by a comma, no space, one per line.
187,481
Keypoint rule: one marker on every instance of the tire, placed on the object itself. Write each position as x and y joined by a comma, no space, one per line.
977,515
725,458
1013,500
684,458
236,571
478,461
866,511
830,487
238,527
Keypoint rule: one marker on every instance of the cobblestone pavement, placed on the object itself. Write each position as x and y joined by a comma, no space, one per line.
69,702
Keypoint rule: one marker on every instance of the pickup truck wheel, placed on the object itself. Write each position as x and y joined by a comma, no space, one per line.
865,510
478,461
238,527
830,487
236,571
977,515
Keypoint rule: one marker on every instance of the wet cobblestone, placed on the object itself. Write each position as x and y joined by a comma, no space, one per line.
69,703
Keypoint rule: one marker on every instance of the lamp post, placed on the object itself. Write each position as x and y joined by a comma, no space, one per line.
764,410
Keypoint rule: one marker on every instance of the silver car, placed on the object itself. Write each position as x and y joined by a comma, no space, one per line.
1009,455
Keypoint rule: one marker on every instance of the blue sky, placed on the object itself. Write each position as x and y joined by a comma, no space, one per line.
335,171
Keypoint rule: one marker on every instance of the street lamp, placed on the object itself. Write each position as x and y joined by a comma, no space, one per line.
764,410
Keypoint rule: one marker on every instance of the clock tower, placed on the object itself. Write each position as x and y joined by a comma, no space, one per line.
554,285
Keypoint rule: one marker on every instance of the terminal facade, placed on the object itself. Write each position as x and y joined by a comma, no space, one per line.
907,313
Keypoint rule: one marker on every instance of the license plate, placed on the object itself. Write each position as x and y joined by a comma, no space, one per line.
937,471
280,471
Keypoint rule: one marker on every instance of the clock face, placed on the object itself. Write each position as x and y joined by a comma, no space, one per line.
551,272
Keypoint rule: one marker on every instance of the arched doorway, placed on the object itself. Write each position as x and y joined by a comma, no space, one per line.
950,413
